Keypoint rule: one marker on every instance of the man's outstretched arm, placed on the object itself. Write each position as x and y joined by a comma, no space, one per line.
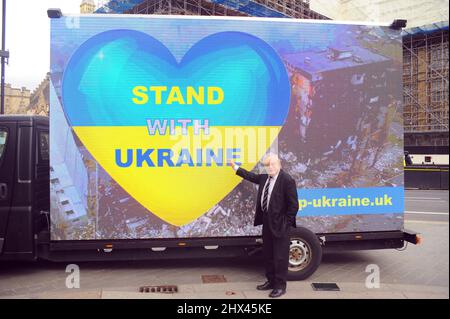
249,176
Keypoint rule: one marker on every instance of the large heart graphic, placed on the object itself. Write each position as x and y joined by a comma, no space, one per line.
246,108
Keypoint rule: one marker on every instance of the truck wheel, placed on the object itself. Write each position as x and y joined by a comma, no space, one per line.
305,254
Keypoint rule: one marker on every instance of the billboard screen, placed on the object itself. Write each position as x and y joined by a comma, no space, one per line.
147,111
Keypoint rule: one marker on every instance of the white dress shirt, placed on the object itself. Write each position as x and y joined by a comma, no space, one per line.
271,185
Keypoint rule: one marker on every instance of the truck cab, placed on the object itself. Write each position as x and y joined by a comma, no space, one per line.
24,184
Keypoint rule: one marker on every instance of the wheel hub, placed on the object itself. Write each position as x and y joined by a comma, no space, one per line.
299,255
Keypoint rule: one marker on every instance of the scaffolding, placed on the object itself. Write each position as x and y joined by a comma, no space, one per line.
299,9
425,79
183,7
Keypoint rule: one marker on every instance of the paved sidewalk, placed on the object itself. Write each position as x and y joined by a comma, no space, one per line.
246,290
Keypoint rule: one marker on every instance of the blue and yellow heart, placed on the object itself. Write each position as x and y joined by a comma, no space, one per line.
119,81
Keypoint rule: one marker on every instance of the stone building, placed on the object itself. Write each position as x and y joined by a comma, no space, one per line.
39,100
87,6
16,99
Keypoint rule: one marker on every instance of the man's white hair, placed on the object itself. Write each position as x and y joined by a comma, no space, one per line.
271,157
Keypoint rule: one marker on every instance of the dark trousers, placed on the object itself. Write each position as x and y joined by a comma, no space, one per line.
276,257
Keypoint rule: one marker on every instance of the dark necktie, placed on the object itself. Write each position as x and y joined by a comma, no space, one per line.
266,194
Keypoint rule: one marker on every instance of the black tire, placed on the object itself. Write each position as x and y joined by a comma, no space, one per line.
305,254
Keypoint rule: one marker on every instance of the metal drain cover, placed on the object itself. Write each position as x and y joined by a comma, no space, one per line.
325,286
210,279
165,289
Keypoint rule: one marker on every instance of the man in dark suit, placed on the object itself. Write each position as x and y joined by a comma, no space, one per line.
276,208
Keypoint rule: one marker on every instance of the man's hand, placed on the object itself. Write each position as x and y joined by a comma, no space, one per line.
232,163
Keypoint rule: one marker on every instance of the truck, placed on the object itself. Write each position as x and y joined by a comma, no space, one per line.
146,112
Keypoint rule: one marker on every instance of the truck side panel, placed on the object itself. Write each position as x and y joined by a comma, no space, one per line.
7,167
19,225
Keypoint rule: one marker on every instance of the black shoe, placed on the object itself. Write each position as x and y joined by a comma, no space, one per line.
265,286
277,293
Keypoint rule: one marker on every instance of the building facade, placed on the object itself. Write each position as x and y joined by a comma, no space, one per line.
299,9
39,100
16,99
425,85
87,6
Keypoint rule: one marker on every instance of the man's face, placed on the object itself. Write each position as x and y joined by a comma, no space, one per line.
272,166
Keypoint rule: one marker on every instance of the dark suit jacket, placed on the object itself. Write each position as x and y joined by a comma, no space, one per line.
283,204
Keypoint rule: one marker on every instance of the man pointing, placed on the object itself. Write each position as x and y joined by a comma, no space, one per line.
276,208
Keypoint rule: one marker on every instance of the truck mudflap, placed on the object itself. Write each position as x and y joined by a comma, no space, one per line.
412,236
